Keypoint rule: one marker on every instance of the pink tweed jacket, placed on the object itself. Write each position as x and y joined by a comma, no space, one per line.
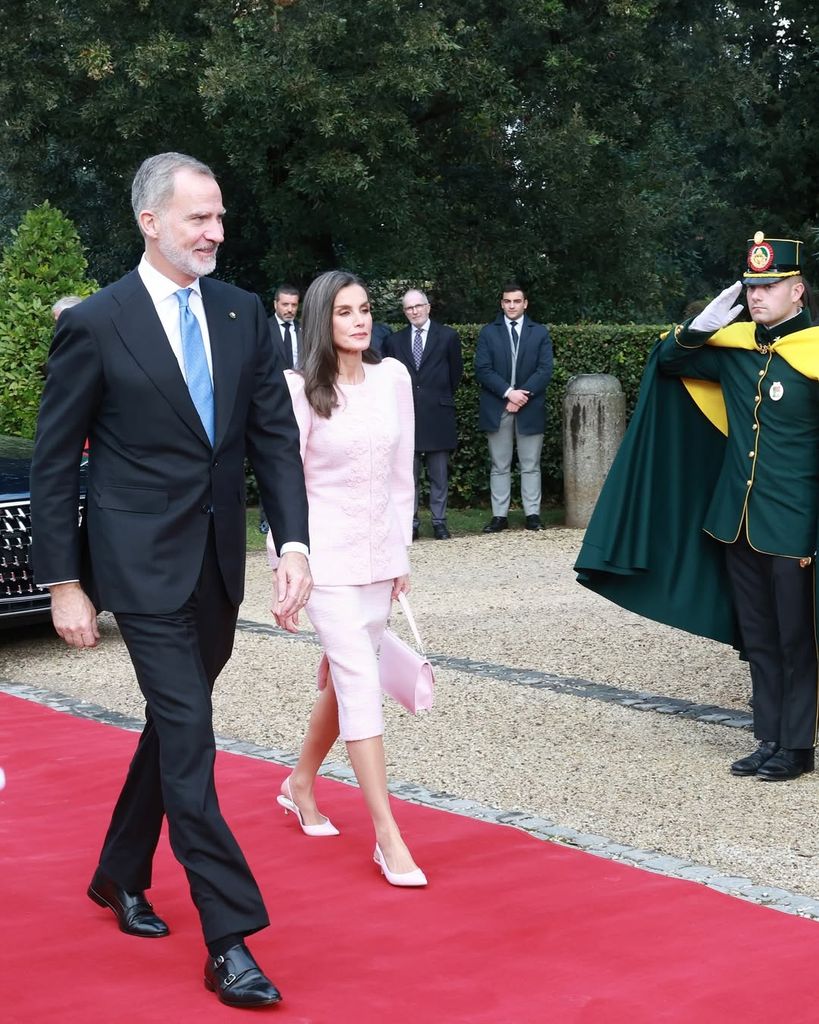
358,468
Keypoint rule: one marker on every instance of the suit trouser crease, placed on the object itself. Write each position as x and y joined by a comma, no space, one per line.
177,658
502,443
774,601
437,466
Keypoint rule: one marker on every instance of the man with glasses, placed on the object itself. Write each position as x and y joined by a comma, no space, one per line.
432,354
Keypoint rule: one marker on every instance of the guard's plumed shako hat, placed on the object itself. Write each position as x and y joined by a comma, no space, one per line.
772,259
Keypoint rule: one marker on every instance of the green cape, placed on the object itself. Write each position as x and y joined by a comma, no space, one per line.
644,548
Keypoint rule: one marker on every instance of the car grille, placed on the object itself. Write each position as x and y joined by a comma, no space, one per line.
19,594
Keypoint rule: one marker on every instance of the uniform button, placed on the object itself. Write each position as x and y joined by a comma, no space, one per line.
749,482
750,455
754,427
761,373
757,399
205,509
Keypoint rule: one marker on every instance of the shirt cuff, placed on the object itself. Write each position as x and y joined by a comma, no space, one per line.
507,393
295,545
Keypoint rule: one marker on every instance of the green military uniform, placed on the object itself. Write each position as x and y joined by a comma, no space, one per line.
770,470
755,490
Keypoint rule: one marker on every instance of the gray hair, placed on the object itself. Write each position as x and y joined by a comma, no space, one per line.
417,291
154,181
66,302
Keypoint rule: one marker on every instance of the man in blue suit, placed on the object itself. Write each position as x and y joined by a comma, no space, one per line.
513,365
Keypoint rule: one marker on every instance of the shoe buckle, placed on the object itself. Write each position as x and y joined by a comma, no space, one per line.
218,961
229,981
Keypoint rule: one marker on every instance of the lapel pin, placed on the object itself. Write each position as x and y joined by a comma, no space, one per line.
232,315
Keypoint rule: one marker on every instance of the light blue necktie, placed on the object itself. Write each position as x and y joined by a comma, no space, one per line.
196,362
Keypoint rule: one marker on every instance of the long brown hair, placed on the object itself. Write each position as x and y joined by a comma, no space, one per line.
320,359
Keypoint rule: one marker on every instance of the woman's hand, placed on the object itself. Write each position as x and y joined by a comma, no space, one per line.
400,585
288,622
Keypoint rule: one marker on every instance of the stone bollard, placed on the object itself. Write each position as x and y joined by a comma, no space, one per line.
594,420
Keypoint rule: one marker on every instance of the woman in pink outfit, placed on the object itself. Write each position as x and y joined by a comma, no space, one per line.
355,416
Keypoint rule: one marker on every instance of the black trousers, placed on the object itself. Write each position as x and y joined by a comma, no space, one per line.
774,601
177,658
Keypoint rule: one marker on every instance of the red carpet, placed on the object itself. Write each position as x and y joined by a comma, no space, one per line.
511,930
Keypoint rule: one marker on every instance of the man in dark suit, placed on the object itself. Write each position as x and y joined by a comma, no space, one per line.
173,377
285,333
432,354
285,330
379,335
513,365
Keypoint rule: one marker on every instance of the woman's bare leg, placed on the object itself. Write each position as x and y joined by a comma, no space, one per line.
367,759
322,732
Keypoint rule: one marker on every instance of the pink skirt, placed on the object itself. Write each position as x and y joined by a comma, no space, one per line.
350,622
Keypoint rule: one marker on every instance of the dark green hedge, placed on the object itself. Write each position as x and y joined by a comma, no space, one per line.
620,350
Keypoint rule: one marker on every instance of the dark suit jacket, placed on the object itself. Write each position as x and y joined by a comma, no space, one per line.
154,483
380,334
278,341
493,371
433,384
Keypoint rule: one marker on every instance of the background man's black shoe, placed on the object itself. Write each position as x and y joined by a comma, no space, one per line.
238,980
133,912
751,764
533,523
440,531
787,764
496,524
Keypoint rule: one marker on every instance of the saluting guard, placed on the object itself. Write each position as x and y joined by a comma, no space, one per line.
722,459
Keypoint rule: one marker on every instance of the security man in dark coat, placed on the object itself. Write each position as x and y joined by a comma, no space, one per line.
432,354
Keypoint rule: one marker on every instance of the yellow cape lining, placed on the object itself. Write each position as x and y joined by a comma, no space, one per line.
800,350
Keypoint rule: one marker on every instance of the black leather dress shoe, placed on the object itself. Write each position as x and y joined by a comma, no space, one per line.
238,980
133,912
496,524
787,764
533,523
751,764
440,531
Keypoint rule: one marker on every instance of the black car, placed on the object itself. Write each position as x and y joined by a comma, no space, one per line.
22,602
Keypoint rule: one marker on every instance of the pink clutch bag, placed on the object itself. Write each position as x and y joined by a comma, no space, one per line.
405,673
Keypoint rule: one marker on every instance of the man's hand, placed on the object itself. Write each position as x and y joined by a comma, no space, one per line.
292,586
720,311
73,615
516,399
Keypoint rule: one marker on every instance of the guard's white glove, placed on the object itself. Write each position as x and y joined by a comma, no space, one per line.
720,311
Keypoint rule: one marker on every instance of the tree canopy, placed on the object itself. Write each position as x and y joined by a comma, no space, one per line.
612,155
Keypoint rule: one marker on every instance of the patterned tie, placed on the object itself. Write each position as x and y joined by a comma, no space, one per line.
417,347
288,345
196,363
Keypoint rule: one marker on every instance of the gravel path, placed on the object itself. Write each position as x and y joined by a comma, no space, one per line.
644,779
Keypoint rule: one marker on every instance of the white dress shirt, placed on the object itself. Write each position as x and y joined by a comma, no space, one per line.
163,295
